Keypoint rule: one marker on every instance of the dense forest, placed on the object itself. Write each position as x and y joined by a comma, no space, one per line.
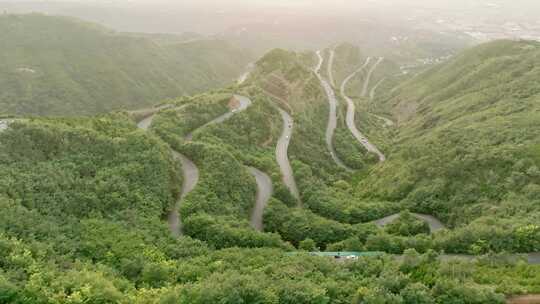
84,225
63,66
467,147
85,200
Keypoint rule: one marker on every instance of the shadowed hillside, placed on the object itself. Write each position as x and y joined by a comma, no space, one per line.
63,66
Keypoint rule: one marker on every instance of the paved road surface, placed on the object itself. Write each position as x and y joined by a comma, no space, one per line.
534,258
387,121
146,122
330,67
244,104
350,117
368,77
434,223
264,192
191,177
282,154
4,124
374,89
530,257
245,76
147,115
332,115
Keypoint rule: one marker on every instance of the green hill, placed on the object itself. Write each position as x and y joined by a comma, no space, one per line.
84,200
63,66
467,147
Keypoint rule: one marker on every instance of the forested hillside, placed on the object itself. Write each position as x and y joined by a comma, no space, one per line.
86,202
82,221
63,66
467,147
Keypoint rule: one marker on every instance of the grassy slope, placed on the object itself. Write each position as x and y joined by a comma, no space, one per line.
82,68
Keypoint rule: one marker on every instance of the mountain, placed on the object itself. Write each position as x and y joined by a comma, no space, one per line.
64,66
113,209
467,147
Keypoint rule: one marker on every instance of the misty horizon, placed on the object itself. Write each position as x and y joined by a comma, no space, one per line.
210,17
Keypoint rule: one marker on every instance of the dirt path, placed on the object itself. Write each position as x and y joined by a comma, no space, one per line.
264,192
332,115
434,223
351,113
368,77
282,154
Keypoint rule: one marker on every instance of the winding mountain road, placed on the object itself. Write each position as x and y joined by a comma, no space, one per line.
282,147
434,223
191,177
332,115
387,121
282,157
244,103
189,169
375,87
264,183
330,66
145,123
264,192
368,76
189,181
350,116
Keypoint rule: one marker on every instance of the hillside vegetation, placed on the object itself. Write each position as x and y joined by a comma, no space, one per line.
63,66
468,146
84,200
82,204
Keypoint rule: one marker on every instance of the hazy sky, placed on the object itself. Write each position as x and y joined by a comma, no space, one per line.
305,4
213,16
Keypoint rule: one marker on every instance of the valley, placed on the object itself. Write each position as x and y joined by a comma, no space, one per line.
317,176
